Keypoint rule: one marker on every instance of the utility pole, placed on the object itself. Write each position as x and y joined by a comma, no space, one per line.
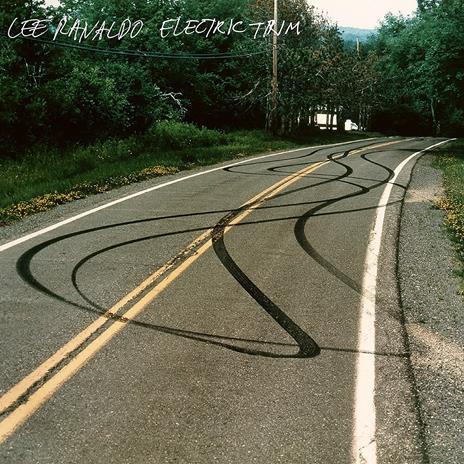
275,87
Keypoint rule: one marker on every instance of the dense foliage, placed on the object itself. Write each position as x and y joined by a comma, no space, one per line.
421,70
409,79
62,95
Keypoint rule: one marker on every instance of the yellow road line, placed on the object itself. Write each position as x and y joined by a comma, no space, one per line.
19,415
21,388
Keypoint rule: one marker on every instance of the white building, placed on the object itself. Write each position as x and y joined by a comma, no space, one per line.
323,122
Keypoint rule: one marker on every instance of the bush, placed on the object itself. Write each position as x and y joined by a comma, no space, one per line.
178,135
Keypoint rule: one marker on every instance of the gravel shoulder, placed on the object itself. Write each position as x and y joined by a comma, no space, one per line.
433,312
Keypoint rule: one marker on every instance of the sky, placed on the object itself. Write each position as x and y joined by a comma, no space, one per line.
355,13
365,14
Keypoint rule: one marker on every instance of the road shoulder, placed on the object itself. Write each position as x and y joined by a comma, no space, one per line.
433,314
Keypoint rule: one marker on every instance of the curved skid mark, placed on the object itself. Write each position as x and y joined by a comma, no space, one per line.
343,153
299,229
306,344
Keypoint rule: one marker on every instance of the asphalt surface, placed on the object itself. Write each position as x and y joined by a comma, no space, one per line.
249,355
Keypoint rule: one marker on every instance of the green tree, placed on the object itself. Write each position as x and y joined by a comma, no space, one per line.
420,68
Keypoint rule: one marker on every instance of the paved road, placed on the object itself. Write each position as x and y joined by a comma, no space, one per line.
247,335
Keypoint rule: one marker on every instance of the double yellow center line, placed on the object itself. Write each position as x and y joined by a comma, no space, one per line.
25,398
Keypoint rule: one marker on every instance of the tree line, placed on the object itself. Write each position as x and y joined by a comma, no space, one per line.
407,78
420,69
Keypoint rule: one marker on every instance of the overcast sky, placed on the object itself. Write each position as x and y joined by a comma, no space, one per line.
363,13
355,13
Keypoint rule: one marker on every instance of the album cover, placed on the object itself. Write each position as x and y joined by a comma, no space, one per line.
231,231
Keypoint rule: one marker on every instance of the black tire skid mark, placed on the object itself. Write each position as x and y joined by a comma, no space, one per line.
331,157
87,258
23,267
236,170
24,262
308,348
300,225
24,271
322,206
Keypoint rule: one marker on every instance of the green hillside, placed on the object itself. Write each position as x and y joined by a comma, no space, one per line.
350,34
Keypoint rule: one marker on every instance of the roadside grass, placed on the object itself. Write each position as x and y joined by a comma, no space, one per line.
47,177
451,162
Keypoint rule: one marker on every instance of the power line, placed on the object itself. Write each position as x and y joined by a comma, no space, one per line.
142,54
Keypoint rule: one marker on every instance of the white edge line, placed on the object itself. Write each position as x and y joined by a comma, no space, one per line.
364,431
32,235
